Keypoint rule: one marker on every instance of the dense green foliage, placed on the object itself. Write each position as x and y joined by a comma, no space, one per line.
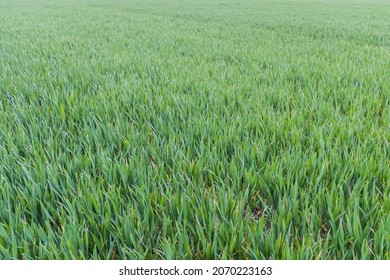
194,129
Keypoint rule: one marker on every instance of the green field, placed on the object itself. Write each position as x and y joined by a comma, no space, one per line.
203,129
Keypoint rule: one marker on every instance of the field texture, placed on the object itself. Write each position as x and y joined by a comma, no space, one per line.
194,129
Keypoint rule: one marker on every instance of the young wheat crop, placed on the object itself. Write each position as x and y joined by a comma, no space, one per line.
202,129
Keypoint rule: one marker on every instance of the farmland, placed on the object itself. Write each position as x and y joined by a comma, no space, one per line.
218,129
